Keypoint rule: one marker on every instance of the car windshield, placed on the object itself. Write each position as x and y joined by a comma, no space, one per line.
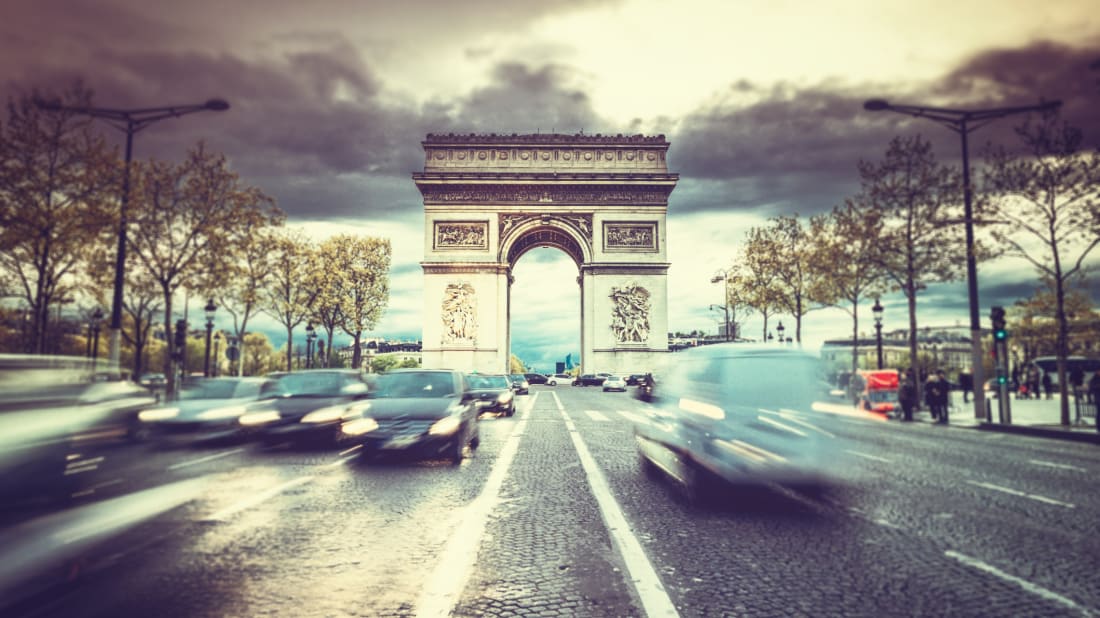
219,389
414,384
477,381
311,384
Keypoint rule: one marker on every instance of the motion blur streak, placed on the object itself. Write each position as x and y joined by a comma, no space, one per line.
845,410
778,425
55,538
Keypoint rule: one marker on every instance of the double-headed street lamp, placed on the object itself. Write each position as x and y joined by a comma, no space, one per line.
217,359
963,122
724,277
129,121
877,312
209,309
97,319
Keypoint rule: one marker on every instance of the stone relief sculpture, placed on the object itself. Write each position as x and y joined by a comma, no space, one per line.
459,314
471,235
627,236
630,313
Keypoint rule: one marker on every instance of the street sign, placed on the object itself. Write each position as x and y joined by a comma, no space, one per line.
233,353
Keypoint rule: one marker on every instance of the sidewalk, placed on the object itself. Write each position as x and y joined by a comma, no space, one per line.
1035,417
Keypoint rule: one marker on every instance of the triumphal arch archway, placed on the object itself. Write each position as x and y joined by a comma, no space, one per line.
602,200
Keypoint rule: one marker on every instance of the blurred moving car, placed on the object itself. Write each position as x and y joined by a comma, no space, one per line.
306,406
60,426
428,413
588,379
614,383
520,384
559,378
206,410
493,392
634,378
535,378
153,380
727,413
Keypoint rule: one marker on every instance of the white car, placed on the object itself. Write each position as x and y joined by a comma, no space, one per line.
614,383
559,378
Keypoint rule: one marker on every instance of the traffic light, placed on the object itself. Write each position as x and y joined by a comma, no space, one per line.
1000,333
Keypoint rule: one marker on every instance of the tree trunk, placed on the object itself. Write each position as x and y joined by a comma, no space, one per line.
289,348
357,353
914,361
855,336
1063,335
169,347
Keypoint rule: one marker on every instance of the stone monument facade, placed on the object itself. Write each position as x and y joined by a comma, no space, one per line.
602,200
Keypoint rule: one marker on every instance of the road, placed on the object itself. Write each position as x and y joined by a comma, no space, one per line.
553,515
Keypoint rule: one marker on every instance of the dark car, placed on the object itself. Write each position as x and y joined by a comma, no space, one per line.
535,378
206,410
61,426
306,406
493,392
635,379
426,413
589,379
520,384
734,414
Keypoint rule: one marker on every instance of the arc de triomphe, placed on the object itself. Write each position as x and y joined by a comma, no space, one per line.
602,200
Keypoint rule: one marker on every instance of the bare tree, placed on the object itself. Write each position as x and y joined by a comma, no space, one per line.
56,182
1048,198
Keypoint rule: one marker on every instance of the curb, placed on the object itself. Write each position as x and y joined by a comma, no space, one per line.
1043,432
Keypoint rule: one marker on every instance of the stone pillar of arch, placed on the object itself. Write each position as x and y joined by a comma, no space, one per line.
601,200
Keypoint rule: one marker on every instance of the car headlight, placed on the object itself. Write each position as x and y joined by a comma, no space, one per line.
214,414
259,417
504,397
158,414
445,426
524,384
359,426
325,415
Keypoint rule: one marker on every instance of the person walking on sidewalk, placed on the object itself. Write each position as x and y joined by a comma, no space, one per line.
1094,388
935,395
907,395
1048,385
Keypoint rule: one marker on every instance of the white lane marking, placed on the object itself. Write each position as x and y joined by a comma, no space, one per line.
255,499
790,417
596,415
339,462
351,450
1023,583
1051,464
871,457
1022,494
442,589
777,424
651,592
184,464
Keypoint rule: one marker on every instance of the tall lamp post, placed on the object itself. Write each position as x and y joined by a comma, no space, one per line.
877,312
779,329
724,277
311,334
217,359
209,309
129,121
963,122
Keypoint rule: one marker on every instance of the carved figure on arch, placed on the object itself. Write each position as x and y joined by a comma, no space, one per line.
630,313
459,313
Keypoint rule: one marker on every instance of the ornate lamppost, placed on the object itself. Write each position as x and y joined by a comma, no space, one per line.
963,122
129,121
779,329
217,359
209,309
97,319
724,277
877,311
311,334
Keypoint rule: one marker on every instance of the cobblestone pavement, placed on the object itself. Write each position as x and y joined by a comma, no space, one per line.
553,516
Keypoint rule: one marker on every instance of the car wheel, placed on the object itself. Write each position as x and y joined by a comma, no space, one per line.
605,390
700,487
476,440
511,411
551,383
458,452
649,468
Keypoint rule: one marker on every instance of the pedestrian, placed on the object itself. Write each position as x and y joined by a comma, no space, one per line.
935,395
944,397
966,383
1048,385
1094,388
1076,379
1033,383
907,395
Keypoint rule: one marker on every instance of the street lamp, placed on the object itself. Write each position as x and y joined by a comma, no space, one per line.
724,276
311,334
129,121
877,312
963,122
210,308
97,319
217,359
779,329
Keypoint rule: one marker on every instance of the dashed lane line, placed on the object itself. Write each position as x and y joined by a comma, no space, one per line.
1022,494
184,464
1060,466
651,592
633,418
444,586
867,456
255,499
1023,583
596,415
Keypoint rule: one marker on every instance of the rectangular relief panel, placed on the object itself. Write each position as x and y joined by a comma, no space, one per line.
461,236
630,237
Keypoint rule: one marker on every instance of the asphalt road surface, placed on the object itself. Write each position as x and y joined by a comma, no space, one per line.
553,516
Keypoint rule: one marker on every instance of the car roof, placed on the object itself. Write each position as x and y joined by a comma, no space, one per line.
736,350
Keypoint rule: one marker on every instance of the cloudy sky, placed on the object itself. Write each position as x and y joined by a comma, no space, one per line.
761,101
